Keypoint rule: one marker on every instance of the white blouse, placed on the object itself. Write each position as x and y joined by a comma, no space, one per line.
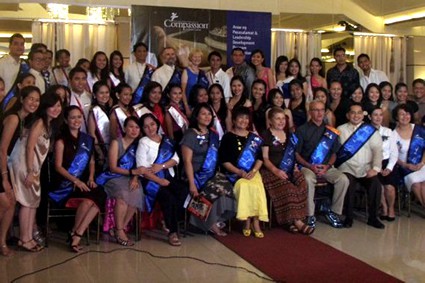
389,147
147,151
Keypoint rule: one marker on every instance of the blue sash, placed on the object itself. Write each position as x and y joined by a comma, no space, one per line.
146,78
176,79
288,160
248,156
76,169
126,161
165,153
208,168
202,79
24,68
416,148
325,144
354,143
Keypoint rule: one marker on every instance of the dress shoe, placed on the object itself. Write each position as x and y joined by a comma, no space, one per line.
333,220
375,223
383,217
390,219
348,222
311,221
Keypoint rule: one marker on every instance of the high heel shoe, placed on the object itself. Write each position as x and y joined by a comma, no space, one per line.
122,242
74,248
246,232
23,246
257,234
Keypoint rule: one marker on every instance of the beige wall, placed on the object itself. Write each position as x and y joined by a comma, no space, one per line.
415,58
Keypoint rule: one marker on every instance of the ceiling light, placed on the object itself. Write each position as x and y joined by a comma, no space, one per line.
287,29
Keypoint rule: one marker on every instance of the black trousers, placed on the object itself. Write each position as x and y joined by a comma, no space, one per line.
373,188
171,200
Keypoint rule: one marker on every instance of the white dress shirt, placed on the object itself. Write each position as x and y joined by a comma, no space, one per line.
134,73
39,80
369,156
83,101
222,78
9,69
375,76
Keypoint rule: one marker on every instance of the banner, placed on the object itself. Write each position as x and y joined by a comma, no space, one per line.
207,30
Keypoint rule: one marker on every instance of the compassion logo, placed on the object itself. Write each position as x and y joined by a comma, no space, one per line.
173,22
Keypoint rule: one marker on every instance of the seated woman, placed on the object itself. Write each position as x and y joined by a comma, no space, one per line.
240,153
74,156
283,182
199,148
411,148
387,176
157,154
121,180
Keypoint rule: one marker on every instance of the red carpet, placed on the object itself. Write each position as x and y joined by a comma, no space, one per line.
296,258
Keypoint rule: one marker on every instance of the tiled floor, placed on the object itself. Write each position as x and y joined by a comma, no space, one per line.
398,250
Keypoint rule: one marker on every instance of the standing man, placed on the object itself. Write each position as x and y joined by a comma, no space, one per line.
343,72
36,58
241,68
139,73
79,96
360,158
369,75
216,75
419,95
316,152
11,65
168,74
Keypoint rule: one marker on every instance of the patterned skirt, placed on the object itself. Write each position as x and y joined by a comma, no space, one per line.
289,197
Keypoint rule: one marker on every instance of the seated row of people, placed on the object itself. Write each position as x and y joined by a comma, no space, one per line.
239,154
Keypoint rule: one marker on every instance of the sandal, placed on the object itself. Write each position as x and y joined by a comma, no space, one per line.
5,251
24,246
74,248
306,230
258,235
216,230
174,240
246,232
122,242
293,229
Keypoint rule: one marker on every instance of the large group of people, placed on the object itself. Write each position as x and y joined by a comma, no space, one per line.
155,138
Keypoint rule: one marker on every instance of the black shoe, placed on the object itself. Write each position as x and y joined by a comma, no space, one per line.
348,222
375,223
333,220
383,217
390,219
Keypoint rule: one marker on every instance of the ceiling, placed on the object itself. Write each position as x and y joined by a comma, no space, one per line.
324,15
386,7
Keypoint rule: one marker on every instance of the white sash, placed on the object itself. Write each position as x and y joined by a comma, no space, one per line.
180,120
217,125
114,79
121,116
102,124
